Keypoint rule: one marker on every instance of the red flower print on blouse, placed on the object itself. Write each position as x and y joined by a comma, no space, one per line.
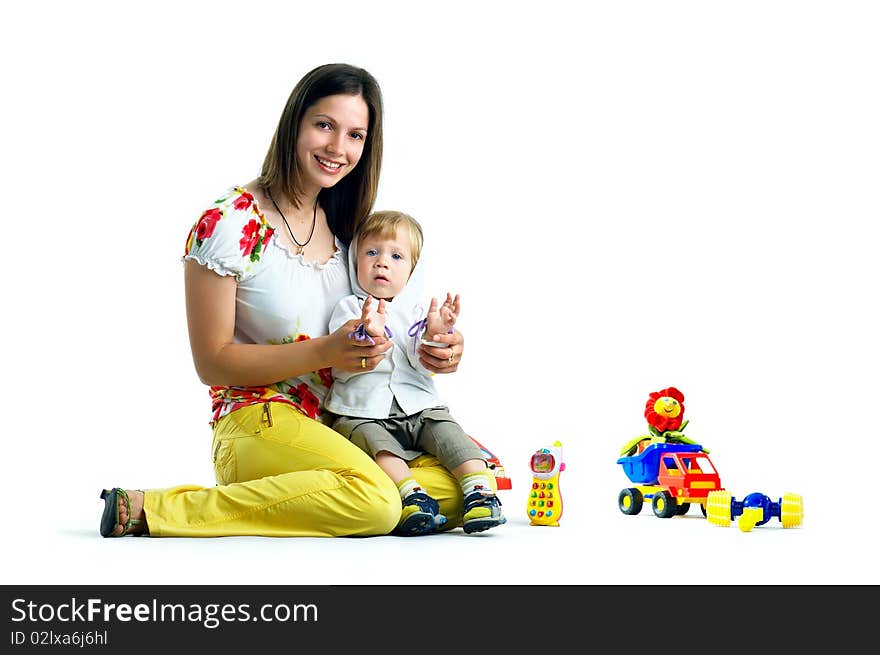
203,229
254,237
269,232
243,201
307,400
326,377
250,237
324,374
206,225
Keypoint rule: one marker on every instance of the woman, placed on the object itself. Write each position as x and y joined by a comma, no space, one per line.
264,267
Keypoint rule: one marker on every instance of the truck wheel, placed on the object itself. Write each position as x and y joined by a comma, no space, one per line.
663,505
718,507
792,510
682,509
630,501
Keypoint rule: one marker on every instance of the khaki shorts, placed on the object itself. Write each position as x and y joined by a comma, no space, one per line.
431,431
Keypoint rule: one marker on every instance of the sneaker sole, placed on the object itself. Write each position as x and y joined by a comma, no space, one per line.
417,523
480,525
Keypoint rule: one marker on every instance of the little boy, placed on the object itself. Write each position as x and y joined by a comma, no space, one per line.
393,412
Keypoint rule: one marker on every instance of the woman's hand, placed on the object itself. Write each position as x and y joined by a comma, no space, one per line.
349,354
442,360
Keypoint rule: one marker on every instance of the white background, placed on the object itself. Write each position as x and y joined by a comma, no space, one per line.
627,195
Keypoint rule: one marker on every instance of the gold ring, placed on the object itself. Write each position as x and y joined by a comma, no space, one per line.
363,362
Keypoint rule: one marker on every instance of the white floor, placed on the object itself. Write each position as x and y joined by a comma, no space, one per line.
595,544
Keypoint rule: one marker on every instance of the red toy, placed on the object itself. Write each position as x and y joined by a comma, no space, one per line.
501,478
665,413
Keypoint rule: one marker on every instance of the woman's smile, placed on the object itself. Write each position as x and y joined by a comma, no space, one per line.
328,166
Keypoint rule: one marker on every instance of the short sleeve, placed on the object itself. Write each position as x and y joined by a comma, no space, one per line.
347,308
231,236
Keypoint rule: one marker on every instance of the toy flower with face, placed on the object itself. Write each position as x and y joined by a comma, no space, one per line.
665,413
665,409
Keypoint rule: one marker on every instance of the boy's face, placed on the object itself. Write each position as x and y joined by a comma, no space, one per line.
384,265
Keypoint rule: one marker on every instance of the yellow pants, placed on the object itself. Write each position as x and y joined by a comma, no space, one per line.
282,474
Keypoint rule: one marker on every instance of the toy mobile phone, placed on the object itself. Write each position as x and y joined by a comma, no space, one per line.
544,504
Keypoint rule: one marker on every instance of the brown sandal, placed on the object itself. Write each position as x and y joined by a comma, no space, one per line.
110,517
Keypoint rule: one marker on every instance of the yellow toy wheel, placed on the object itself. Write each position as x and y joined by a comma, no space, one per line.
718,508
792,510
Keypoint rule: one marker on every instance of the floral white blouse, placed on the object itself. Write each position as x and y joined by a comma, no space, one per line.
281,297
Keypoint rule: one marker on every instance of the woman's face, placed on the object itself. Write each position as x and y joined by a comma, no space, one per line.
331,139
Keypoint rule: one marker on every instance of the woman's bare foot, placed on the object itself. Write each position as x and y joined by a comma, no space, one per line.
137,513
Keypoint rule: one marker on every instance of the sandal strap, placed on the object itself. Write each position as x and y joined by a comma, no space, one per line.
131,521
128,524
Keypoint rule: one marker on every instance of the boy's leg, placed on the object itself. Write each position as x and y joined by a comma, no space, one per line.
439,483
482,507
387,441
441,435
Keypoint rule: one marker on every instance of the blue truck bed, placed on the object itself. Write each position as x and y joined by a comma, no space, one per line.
644,467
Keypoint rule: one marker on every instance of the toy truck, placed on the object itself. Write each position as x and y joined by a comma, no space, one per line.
673,472
673,476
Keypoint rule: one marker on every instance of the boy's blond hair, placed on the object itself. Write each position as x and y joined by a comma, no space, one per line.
384,224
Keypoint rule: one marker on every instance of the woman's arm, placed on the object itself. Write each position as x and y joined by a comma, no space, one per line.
210,315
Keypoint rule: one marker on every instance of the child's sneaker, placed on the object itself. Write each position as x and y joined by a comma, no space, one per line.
420,515
481,512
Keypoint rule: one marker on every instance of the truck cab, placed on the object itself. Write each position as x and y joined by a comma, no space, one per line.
672,476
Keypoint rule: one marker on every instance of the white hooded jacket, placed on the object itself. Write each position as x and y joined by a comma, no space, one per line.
399,375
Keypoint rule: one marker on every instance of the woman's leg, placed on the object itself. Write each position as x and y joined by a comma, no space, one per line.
279,473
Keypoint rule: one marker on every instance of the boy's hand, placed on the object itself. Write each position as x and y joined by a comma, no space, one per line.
373,319
442,318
